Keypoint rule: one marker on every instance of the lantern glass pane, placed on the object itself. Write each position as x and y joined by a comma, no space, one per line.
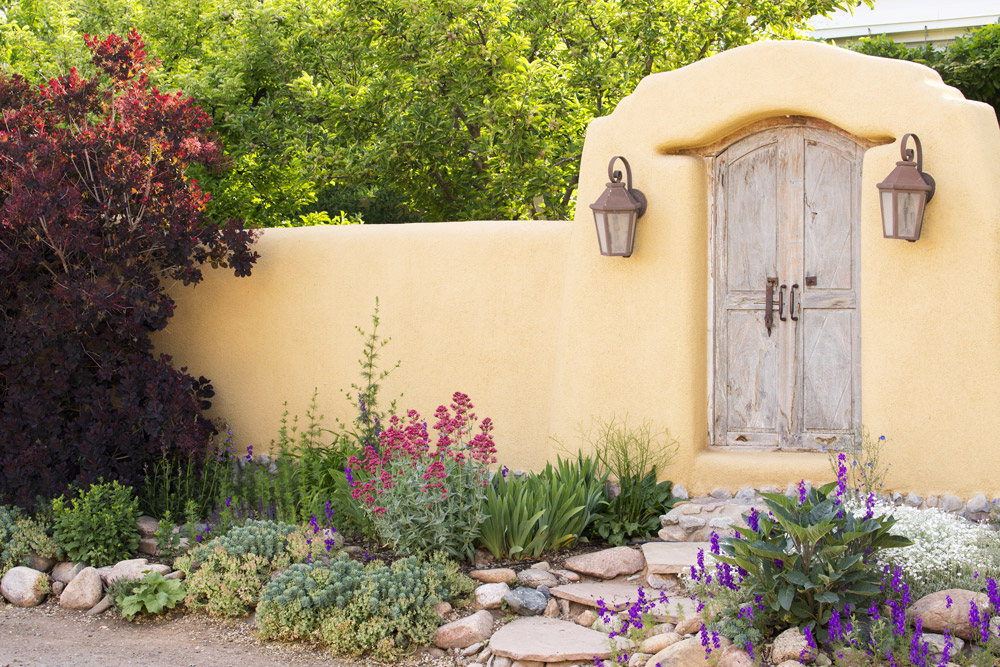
908,205
887,212
602,235
620,226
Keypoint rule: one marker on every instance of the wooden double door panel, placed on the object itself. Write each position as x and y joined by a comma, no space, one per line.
786,223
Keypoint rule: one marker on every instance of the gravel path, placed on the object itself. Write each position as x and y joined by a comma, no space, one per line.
49,636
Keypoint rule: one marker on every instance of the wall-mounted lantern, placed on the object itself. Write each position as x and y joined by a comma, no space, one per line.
904,194
616,211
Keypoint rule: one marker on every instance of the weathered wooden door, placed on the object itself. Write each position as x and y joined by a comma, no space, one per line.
786,366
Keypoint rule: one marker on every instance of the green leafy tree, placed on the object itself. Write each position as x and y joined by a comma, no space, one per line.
400,110
971,63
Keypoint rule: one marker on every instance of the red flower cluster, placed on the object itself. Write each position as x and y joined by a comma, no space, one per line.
405,447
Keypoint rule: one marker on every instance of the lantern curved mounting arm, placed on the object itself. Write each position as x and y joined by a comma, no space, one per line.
907,155
615,176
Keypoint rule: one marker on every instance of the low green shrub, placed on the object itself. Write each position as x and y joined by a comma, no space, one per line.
531,514
267,539
226,585
151,595
22,535
810,559
98,526
355,609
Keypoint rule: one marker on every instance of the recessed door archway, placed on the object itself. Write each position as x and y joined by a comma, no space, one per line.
785,365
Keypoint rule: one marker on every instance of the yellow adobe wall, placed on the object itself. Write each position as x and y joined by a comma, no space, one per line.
544,333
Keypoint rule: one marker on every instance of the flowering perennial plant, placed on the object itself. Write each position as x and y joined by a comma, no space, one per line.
425,498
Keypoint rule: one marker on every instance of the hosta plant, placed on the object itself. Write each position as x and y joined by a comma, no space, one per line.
808,558
425,498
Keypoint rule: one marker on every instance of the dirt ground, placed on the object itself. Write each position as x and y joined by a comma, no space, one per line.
49,636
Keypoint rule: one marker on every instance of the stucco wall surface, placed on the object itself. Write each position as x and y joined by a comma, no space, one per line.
544,333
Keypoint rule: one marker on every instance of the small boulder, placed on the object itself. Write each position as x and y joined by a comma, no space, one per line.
148,545
608,563
83,592
551,609
465,631
40,563
948,609
525,601
689,625
57,588
686,653
533,578
500,575
490,596
24,586
586,618
147,526
101,606
734,656
442,609
790,663
65,572
133,570
657,643
792,645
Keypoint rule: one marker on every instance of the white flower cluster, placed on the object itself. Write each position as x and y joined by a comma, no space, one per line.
948,551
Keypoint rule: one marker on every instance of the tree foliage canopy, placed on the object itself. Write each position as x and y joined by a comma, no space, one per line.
399,109
971,63
97,213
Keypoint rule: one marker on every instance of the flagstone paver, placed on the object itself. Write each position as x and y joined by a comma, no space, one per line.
617,596
551,640
673,557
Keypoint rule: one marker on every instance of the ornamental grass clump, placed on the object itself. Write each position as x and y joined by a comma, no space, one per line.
425,498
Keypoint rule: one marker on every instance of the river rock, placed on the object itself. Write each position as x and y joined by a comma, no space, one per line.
465,631
65,572
147,526
686,653
533,578
133,570
792,645
500,575
83,592
526,601
40,563
24,586
490,596
657,643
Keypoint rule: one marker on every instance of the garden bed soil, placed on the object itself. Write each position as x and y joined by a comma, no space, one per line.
50,636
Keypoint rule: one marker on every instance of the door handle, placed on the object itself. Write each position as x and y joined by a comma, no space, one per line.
791,307
781,303
769,305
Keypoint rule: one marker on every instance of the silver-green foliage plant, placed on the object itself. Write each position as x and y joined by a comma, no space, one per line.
533,513
98,525
153,595
225,576
355,609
